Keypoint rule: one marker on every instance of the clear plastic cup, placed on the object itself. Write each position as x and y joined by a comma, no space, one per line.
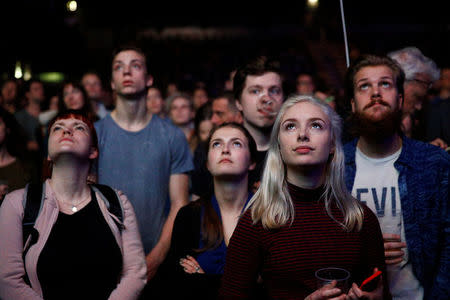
327,275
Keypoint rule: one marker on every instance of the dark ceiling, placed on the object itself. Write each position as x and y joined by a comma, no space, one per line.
44,34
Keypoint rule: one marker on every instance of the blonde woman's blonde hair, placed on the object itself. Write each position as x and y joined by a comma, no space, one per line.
272,204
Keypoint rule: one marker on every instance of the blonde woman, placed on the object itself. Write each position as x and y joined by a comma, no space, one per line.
302,218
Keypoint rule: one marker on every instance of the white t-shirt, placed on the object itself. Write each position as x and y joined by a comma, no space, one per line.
376,185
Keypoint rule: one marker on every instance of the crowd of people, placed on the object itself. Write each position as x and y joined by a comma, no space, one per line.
152,193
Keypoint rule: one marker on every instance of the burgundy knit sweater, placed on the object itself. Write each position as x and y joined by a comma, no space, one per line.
287,258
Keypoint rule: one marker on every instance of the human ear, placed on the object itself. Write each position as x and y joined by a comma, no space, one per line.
352,101
207,166
149,81
238,118
94,153
332,150
400,101
238,105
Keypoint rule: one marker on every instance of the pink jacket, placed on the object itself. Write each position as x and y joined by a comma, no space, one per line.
12,286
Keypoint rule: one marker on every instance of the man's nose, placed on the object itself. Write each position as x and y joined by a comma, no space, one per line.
126,69
215,119
418,105
265,99
375,92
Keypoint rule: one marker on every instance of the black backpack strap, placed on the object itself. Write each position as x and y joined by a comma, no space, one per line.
31,207
115,207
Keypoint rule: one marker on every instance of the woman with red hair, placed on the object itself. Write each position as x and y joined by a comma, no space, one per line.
82,251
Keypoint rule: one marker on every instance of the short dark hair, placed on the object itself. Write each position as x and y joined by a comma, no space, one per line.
370,60
230,98
130,47
8,80
92,73
256,67
29,83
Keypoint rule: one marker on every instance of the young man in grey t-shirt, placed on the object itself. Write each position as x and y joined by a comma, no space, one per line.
146,157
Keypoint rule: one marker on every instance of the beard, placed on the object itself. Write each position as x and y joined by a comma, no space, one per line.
376,128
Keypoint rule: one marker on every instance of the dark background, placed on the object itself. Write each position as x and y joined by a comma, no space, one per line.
46,36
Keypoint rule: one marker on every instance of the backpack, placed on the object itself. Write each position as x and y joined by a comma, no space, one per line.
33,204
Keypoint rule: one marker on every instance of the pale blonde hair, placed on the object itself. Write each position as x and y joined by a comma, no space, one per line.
272,204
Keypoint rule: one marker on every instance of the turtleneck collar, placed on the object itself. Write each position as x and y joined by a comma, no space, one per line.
300,194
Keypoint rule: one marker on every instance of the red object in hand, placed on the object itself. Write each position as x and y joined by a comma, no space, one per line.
369,279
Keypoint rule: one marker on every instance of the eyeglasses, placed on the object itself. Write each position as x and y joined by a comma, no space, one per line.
426,84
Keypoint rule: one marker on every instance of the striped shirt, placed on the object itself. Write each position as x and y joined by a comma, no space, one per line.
287,258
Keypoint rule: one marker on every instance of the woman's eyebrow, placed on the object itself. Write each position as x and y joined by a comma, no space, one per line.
316,119
217,140
237,139
289,120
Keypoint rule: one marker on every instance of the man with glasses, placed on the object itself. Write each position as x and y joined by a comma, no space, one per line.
420,74
438,117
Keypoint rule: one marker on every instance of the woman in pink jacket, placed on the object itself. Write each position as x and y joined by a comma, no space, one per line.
83,250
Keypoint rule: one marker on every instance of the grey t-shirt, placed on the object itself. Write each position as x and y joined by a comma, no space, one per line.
140,164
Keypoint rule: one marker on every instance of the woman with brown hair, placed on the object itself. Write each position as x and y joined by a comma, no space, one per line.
203,228
73,96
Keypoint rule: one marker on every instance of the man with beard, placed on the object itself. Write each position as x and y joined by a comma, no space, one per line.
388,172
257,87
143,155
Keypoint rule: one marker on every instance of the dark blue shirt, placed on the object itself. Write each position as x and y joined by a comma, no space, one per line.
213,261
